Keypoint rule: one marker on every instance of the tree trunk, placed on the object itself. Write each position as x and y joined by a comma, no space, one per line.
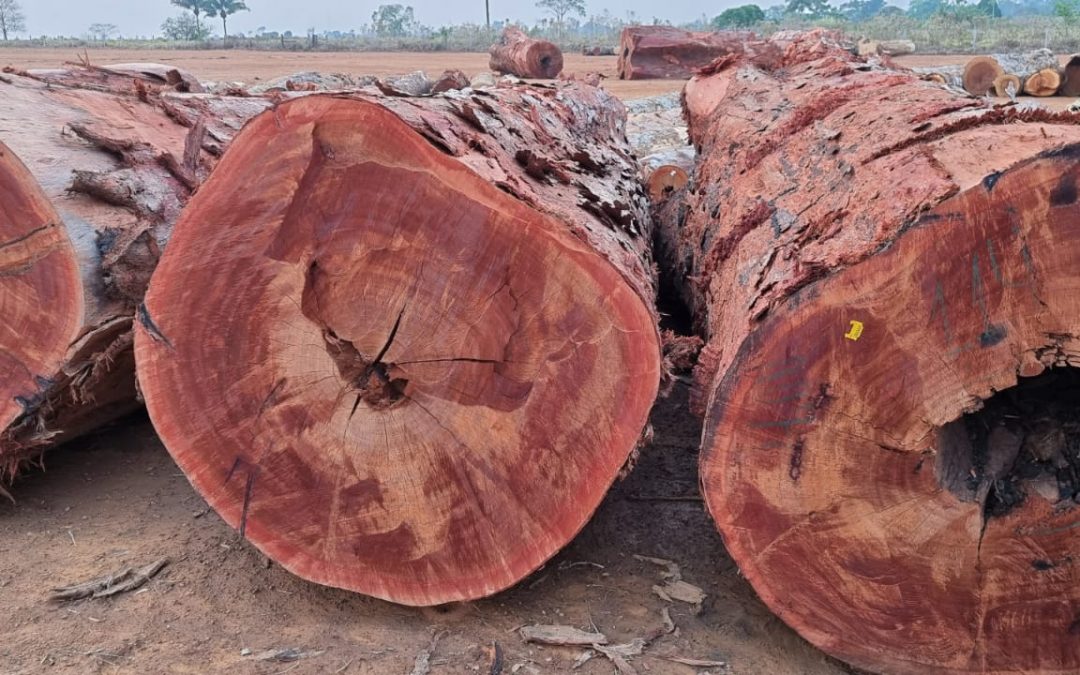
518,54
873,258
116,158
1071,77
409,363
663,52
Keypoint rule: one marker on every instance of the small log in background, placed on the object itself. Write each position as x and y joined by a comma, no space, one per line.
411,361
117,152
663,52
518,54
871,258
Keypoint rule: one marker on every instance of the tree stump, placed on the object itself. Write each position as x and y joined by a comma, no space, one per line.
518,54
413,360
117,156
883,271
663,52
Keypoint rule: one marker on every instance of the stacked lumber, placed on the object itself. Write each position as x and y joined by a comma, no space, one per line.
663,52
885,272
116,154
412,359
518,54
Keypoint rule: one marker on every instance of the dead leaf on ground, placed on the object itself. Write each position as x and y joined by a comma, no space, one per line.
562,636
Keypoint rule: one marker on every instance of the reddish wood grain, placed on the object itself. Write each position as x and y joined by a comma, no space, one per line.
413,360
833,191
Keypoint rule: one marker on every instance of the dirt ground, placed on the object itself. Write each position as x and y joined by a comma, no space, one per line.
116,499
250,67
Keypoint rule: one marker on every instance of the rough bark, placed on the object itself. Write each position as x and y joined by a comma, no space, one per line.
663,52
1070,85
518,54
870,257
117,156
411,362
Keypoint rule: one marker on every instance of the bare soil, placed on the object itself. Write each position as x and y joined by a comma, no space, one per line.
251,66
116,499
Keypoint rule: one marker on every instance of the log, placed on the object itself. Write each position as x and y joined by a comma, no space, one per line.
598,50
412,361
895,47
1070,85
979,75
872,260
518,54
1045,82
1008,85
663,52
116,156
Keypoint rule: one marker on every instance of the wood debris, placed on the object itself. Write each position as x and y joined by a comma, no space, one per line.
674,588
422,665
562,636
127,579
287,655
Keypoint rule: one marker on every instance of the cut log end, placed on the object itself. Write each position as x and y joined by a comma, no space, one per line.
1045,82
1071,76
665,180
517,54
40,293
979,75
1007,84
430,384
892,457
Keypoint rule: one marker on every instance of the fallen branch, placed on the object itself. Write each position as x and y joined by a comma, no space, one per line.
127,579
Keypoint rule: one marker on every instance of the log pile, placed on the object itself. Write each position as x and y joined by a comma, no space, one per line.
117,155
882,268
1035,73
411,362
663,52
518,54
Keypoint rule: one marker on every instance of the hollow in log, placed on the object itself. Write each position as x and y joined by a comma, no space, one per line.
1007,85
411,361
885,272
518,54
663,52
116,156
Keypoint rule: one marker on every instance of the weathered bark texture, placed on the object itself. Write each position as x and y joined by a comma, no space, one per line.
518,54
414,359
663,52
117,156
870,257
1071,77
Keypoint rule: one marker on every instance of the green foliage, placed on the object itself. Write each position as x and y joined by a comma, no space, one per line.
924,9
560,9
741,17
1067,9
224,9
811,9
184,27
196,7
861,10
394,21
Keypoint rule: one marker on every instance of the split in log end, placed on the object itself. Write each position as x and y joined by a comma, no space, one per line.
431,385
1045,82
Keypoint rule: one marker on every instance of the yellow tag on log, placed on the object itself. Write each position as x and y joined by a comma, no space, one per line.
855,332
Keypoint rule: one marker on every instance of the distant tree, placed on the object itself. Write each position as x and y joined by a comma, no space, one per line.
775,13
924,9
989,8
1067,9
810,9
739,17
102,31
861,10
11,18
560,9
196,7
891,10
225,9
184,27
393,20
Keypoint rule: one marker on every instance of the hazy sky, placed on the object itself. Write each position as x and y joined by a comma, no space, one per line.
144,17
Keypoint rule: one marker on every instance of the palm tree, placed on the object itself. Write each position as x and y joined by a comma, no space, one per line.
196,7
225,9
